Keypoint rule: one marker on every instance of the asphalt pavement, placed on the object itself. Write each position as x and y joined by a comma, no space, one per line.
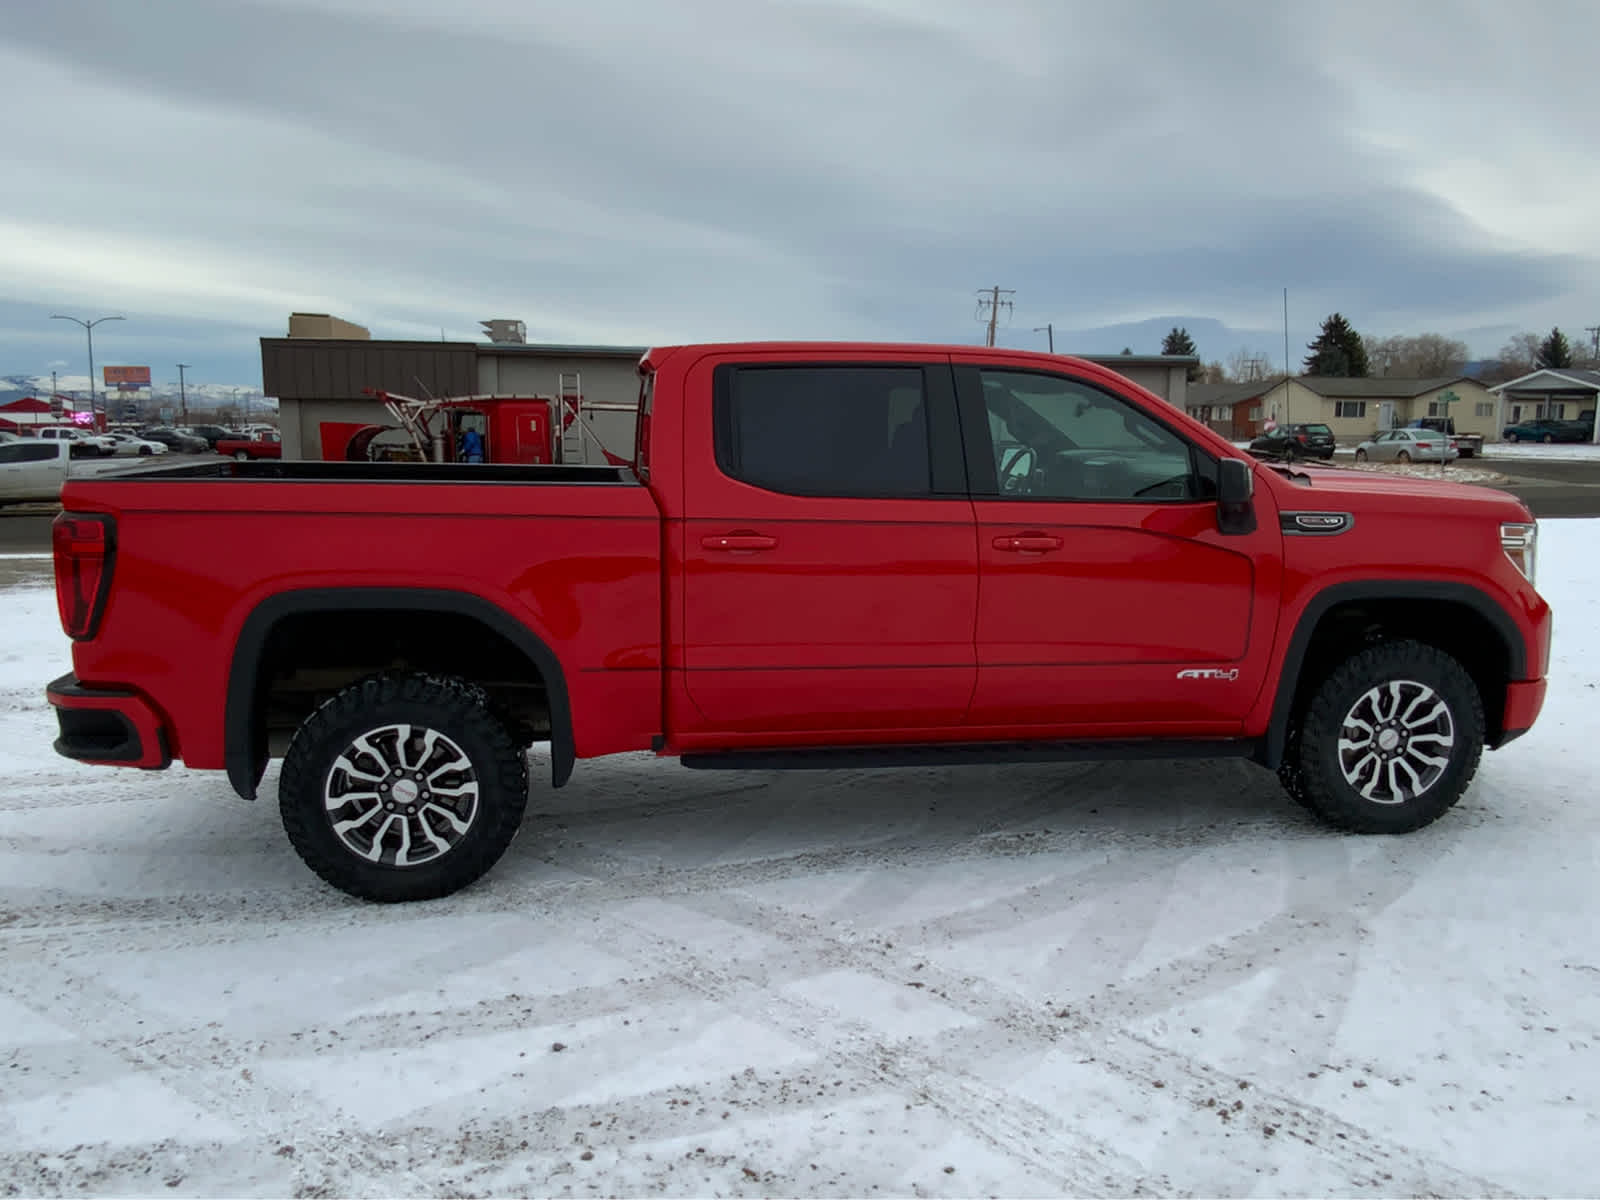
1558,488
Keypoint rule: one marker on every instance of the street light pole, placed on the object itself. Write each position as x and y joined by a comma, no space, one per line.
88,329
183,396
1051,330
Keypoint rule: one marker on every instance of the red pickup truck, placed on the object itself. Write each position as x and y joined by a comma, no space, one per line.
820,555
261,445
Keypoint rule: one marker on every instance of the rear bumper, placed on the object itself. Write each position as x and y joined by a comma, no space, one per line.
1523,704
107,726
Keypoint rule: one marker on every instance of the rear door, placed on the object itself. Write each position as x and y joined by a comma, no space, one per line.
829,569
1111,603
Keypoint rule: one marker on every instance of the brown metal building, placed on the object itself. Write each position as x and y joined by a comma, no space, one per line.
318,382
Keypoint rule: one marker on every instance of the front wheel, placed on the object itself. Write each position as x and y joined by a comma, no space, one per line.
1361,456
1389,741
1547,439
403,787
241,455
1511,437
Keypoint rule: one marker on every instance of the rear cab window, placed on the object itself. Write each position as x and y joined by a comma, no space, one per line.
844,430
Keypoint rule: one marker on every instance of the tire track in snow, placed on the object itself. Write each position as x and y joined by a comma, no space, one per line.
325,1152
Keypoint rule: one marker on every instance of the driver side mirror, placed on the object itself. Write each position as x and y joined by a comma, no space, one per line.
1236,485
1236,482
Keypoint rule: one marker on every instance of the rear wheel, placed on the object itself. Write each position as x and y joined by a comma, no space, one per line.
1389,741
403,787
1547,439
241,455
1403,457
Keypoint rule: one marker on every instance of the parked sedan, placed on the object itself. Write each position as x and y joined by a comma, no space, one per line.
127,444
173,440
1547,429
1407,445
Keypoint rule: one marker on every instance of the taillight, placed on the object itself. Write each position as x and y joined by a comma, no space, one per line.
1424,445
84,545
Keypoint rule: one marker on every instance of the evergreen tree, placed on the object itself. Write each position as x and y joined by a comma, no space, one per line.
1338,351
1179,342
1555,351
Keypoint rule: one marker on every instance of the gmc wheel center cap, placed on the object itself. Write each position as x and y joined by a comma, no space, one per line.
1387,740
406,791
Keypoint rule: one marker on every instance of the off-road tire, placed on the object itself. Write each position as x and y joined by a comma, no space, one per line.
1312,772
452,707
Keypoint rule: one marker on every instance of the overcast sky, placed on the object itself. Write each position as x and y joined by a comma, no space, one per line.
637,171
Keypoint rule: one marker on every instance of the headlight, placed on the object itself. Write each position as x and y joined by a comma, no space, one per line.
1520,544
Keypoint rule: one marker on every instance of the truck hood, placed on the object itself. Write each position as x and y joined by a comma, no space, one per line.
1369,490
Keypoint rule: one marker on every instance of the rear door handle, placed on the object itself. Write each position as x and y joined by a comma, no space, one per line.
739,541
1027,543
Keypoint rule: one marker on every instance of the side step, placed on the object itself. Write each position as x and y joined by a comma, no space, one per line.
839,758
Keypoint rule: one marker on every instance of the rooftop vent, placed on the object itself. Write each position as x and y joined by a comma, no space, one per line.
505,332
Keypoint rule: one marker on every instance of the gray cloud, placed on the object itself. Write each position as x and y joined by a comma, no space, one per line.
632,171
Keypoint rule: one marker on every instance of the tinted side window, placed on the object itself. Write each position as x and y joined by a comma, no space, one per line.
1058,439
38,453
11,452
824,430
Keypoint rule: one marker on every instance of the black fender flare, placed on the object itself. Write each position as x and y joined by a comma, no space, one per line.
1353,592
244,734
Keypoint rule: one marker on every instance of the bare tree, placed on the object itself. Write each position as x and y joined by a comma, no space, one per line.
1425,356
1246,366
1518,357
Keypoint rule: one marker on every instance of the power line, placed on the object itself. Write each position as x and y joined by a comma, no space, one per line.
991,297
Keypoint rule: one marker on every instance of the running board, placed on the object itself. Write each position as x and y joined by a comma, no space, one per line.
838,758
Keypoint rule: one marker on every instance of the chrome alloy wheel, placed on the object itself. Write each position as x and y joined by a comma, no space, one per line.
1396,741
401,795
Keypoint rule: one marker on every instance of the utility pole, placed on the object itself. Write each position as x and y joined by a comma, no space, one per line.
1046,328
183,396
991,297
1594,333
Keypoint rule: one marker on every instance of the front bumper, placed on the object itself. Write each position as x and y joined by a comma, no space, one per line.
1523,704
107,726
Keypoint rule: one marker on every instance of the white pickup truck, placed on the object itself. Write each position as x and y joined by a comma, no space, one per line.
32,469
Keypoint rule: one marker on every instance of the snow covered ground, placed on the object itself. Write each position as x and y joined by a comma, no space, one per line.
1556,451
1023,981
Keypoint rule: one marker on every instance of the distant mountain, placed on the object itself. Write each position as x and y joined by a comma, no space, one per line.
201,397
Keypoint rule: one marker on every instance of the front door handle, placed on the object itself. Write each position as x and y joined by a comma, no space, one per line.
1027,543
739,541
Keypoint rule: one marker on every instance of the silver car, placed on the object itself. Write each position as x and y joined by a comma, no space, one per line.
1408,445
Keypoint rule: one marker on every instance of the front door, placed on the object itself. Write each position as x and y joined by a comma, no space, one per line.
828,561
1111,605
